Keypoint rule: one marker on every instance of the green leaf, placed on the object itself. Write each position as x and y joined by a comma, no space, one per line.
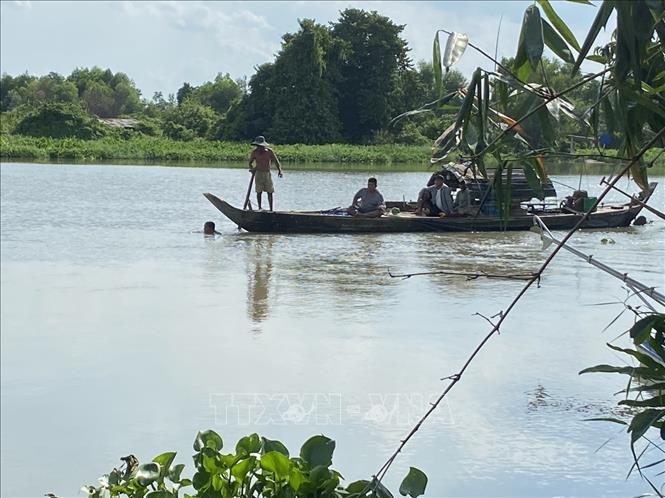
585,2
533,35
530,45
318,450
165,460
276,463
645,359
175,471
240,469
533,180
436,65
467,103
414,483
159,494
642,422
612,369
229,460
597,58
599,22
655,402
641,330
248,444
296,478
556,43
147,473
273,445
208,439
606,419
358,487
201,480
558,23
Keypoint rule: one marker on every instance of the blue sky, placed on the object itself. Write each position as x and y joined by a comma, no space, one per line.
162,44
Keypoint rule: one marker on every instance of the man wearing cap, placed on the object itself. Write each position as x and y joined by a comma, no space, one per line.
263,156
436,200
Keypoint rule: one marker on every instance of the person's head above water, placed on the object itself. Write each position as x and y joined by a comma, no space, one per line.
209,228
371,184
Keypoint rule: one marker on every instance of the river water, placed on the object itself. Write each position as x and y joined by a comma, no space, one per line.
124,332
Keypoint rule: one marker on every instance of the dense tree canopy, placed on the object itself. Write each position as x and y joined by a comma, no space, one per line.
341,82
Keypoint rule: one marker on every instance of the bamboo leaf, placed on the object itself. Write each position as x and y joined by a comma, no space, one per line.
481,118
645,359
547,129
455,47
467,103
599,22
533,35
556,43
642,422
655,402
436,64
558,23
585,2
606,419
597,58
533,180
641,330
613,369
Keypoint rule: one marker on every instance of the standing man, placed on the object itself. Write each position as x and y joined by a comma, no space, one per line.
263,156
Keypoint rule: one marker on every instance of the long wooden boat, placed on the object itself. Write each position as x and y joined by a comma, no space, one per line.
407,221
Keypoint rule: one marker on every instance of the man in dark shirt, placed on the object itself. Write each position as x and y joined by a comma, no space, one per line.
368,202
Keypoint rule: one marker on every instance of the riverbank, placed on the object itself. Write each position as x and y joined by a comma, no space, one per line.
200,150
206,153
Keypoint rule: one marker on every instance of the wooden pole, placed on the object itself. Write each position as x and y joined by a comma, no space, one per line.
249,191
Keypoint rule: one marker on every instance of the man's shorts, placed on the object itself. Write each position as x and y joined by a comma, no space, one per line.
263,182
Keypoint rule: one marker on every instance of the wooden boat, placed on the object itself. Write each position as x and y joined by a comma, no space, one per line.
406,221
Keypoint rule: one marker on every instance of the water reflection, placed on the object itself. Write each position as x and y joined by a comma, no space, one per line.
259,274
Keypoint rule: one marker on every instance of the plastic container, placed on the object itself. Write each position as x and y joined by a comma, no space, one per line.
588,202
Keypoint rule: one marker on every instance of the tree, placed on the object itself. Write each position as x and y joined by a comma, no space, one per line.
104,93
184,92
375,54
305,96
253,114
218,94
188,121
58,120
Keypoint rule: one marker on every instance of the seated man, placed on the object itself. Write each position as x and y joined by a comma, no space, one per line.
368,202
463,200
435,200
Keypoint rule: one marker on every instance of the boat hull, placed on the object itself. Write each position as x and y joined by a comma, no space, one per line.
316,222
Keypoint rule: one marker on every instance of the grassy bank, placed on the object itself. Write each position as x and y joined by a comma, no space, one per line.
163,149
200,152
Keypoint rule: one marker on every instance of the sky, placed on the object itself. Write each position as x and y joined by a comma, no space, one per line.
160,45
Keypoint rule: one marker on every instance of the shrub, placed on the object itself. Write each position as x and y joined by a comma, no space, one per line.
60,120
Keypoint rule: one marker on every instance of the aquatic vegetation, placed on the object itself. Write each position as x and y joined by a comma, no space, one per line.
257,467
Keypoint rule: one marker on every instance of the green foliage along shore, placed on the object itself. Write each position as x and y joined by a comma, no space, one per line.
143,148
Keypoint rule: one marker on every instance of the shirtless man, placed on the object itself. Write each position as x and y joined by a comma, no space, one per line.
264,157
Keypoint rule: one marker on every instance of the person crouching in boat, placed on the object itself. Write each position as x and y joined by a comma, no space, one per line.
263,156
368,202
435,200
463,201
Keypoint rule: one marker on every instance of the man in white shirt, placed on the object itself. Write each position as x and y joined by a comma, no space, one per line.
436,200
